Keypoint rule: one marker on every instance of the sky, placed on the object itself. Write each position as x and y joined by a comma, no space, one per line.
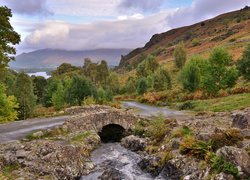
94,24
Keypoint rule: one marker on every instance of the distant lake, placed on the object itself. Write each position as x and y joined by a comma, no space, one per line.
43,74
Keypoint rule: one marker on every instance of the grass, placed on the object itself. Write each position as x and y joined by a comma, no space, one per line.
229,103
80,137
7,170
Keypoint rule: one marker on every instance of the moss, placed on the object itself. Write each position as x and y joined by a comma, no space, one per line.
183,132
80,137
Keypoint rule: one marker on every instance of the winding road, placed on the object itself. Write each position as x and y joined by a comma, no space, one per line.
19,129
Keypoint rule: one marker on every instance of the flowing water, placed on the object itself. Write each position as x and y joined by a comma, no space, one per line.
113,155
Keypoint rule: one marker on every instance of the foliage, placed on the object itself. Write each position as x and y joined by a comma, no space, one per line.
219,164
183,132
244,63
24,92
39,87
180,56
8,106
190,76
104,96
157,129
161,80
8,37
147,67
65,69
186,105
142,86
58,99
196,42
113,83
77,89
218,75
49,90
89,101
130,86
80,137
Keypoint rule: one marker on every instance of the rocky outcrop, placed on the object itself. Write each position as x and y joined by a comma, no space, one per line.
236,156
112,174
134,143
241,121
151,165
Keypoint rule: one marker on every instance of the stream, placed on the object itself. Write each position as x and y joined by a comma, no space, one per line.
110,156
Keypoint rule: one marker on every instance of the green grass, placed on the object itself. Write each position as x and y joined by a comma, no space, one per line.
80,137
229,103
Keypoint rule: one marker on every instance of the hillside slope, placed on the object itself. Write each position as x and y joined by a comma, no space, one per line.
231,30
50,58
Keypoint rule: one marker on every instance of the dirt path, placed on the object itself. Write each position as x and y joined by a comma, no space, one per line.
19,129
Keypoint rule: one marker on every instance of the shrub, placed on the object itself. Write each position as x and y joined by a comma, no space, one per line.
89,101
157,129
162,80
180,56
183,132
186,105
142,86
244,63
196,42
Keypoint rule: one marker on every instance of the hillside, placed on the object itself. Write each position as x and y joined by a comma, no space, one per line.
49,58
230,30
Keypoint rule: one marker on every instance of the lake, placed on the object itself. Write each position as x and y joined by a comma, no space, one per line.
43,74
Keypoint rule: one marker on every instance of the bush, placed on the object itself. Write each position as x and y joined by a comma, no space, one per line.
186,106
142,86
89,101
184,131
244,63
162,80
157,129
180,56
196,42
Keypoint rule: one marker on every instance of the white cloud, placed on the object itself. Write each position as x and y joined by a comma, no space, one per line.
129,33
202,10
28,7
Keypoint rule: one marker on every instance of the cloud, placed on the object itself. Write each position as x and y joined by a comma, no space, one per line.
141,6
28,7
202,10
128,33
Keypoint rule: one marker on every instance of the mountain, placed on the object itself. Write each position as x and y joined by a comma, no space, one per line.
50,58
231,30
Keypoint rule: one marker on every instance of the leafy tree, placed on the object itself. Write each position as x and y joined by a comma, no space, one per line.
162,80
49,90
78,89
66,69
8,106
191,73
130,86
8,37
103,96
102,73
180,56
147,67
142,86
244,63
218,74
58,97
39,87
113,83
24,92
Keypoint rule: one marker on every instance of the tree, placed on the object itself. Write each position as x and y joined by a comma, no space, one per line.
58,97
39,87
142,86
102,73
8,37
113,83
78,89
24,92
190,75
103,96
244,64
162,80
65,69
8,106
130,86
147,67
50,89
180,56
218,74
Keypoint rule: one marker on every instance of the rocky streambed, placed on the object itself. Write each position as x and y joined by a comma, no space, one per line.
206,146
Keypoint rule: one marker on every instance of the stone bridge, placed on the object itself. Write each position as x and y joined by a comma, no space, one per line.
97,118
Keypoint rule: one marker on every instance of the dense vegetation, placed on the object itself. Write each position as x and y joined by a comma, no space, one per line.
189,78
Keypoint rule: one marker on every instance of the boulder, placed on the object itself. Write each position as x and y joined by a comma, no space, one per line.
151,165
134,143
241,121
112,174
236,156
